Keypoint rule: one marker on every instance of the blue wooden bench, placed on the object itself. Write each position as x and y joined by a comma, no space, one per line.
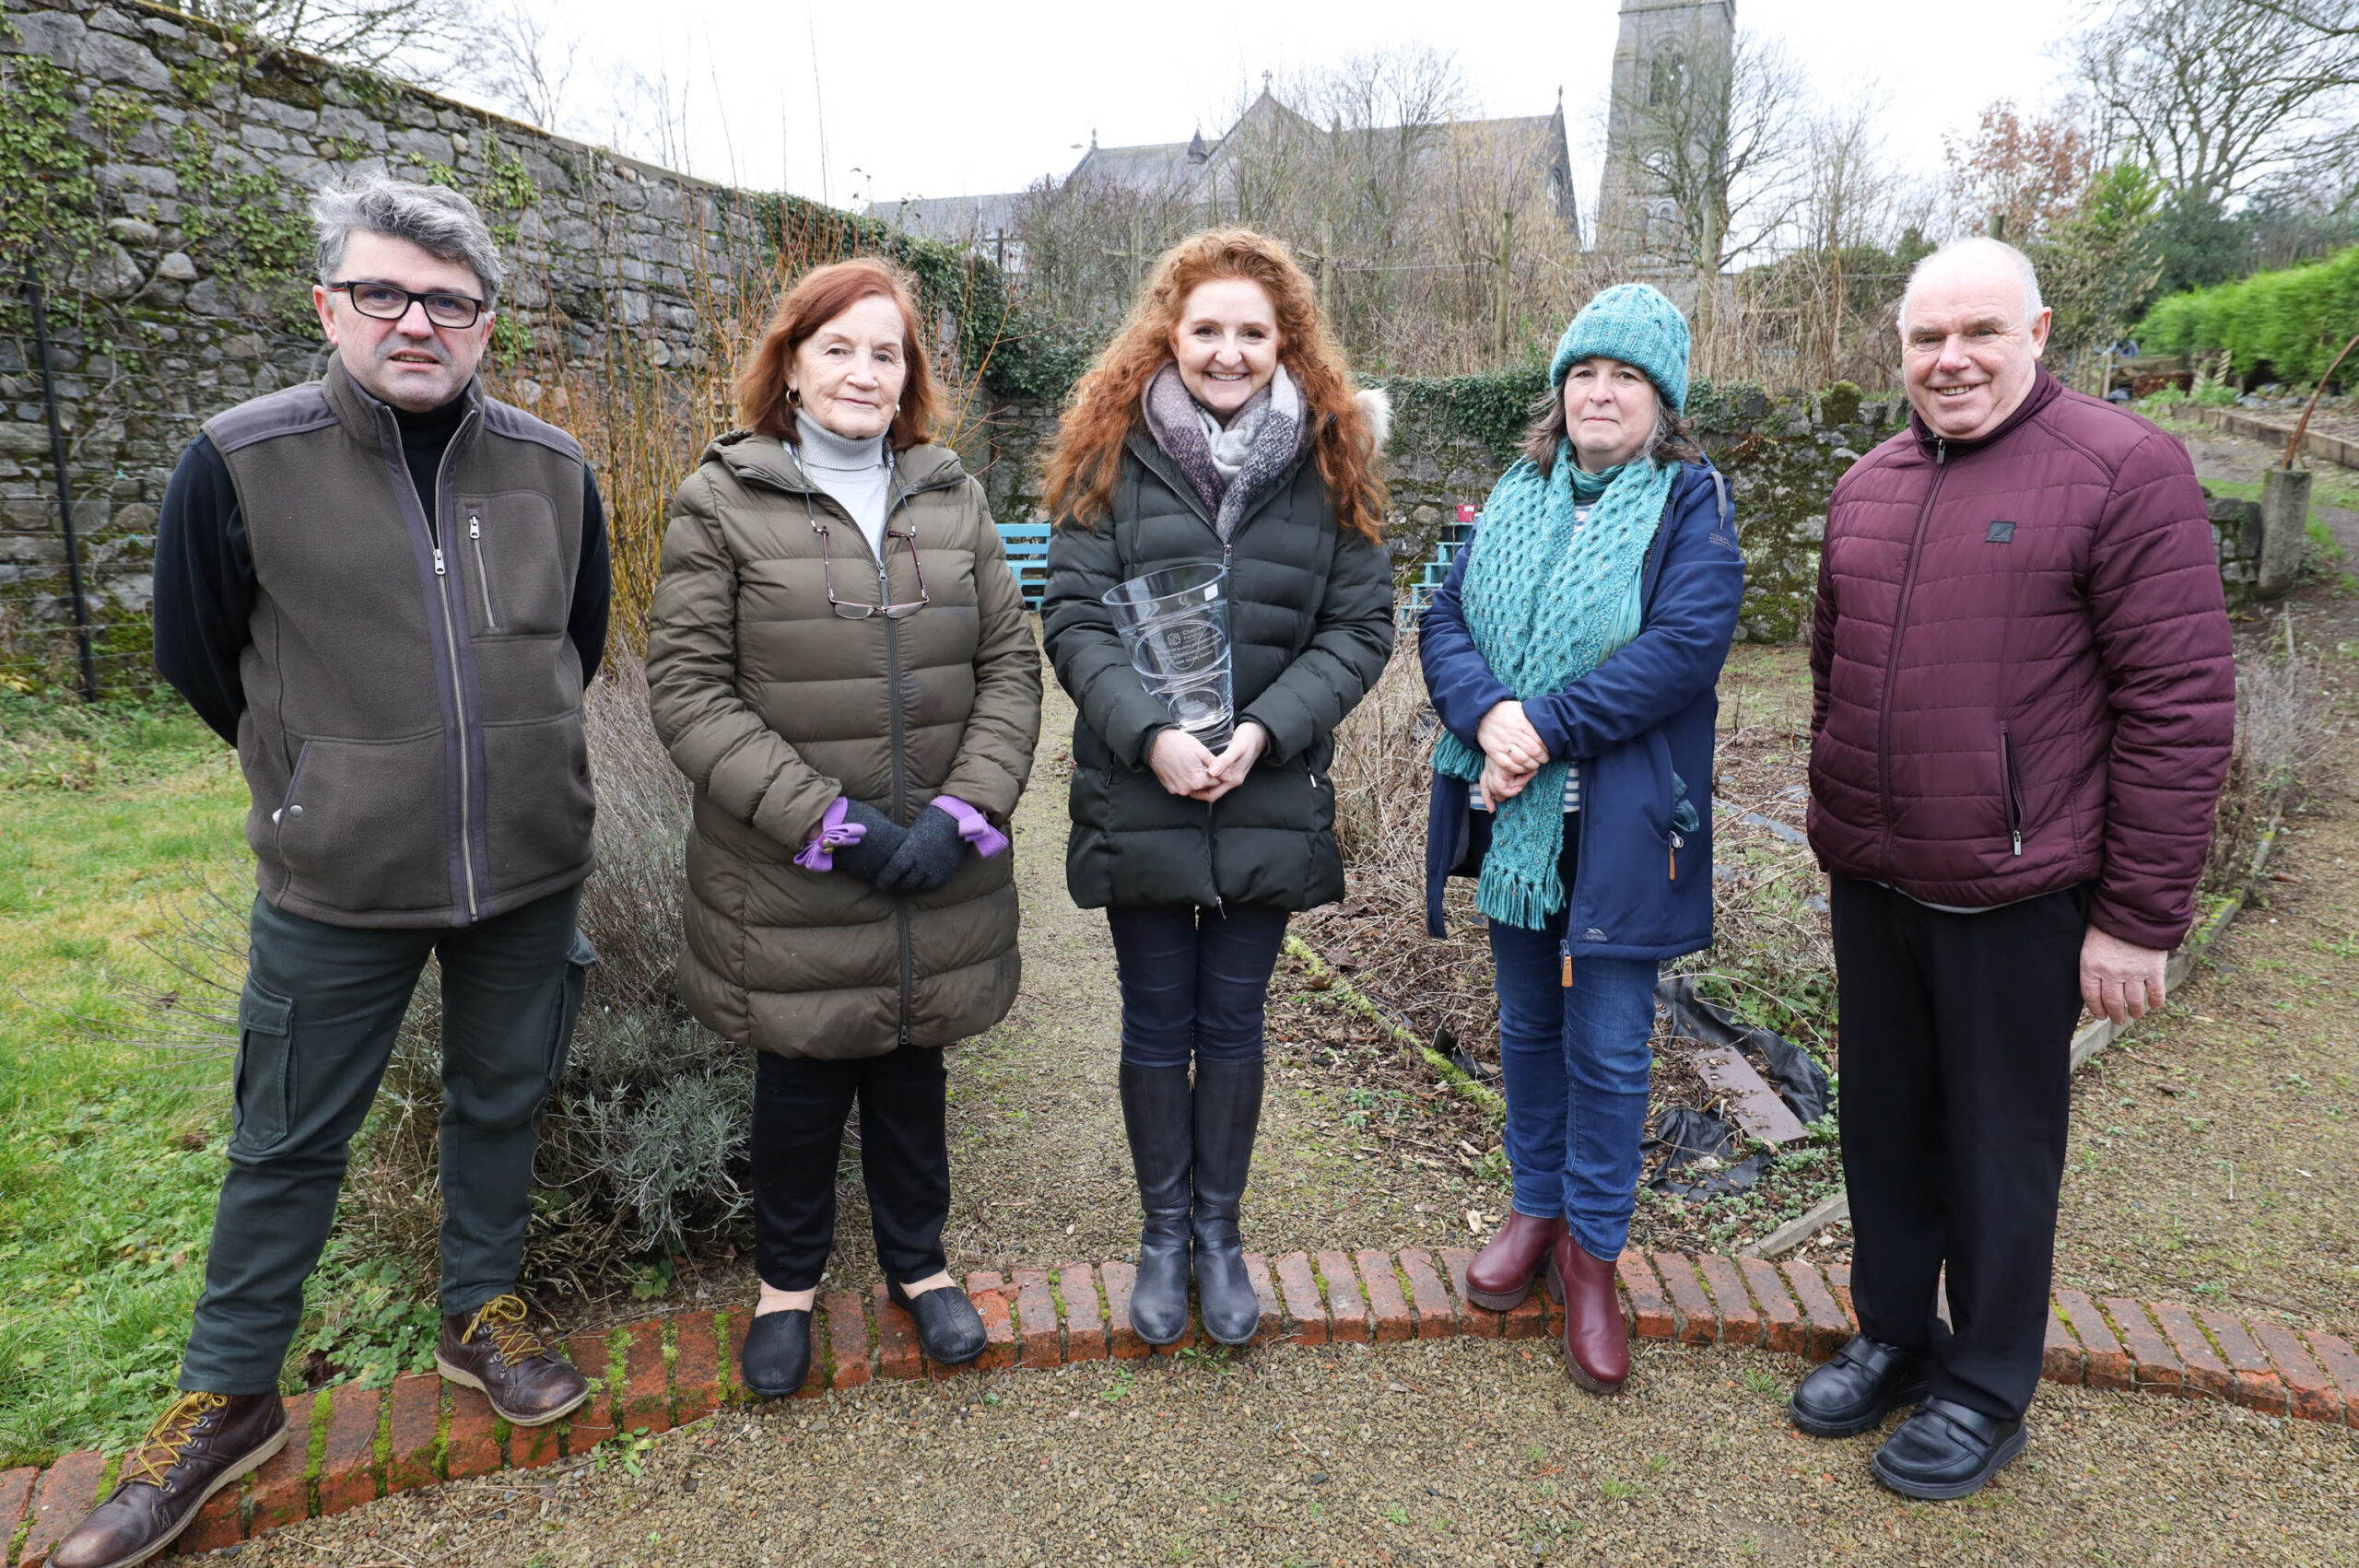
1026,544
1435,571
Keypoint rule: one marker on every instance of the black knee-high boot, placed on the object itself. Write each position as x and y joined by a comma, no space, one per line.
1155,1114
1228,1115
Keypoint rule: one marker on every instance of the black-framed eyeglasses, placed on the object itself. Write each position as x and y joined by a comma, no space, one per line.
855,611
387,303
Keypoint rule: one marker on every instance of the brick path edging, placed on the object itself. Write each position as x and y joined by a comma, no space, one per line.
351,1445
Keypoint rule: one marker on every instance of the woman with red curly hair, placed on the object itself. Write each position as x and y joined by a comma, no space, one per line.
1219,426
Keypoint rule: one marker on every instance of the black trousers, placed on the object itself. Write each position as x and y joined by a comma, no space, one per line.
1956,1056
1195,982
800,1104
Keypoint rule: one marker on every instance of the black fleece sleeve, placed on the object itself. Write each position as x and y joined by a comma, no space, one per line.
593,584
205,588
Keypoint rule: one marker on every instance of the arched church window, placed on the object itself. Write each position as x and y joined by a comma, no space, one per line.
1664,81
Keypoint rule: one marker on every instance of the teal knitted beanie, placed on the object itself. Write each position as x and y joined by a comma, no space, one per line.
1632,322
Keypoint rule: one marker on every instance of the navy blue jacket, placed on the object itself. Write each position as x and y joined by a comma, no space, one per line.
1643,888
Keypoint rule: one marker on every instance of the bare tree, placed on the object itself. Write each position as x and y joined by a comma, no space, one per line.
2018,177
2220,94
1719,153
411,38
1437,238
525,64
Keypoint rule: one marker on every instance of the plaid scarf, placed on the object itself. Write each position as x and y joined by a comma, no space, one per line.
1270,428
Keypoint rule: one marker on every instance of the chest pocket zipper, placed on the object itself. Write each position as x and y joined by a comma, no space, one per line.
483,578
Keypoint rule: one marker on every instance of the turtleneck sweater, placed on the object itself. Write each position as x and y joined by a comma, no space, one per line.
853,472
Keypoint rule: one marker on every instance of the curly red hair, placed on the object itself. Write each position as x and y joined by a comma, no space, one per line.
1082,465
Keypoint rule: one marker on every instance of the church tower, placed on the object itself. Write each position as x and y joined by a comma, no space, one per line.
1659,39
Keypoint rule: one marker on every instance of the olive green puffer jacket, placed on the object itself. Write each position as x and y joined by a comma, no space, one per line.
1310,628
772,706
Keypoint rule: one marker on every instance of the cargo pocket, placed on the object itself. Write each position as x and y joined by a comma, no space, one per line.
578,959
266,1075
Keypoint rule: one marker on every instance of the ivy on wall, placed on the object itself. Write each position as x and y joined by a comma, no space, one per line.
50,213
1494,407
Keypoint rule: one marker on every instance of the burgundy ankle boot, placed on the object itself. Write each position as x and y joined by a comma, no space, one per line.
1597,1347
1501,1274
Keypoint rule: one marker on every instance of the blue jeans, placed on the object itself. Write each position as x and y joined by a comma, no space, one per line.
1576,1062
1195,982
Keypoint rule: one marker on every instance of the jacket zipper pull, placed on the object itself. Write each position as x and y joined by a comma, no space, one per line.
475,526
1564,949
1941,452
439,568
2018,836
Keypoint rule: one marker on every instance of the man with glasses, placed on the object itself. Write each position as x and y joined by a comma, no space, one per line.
386,588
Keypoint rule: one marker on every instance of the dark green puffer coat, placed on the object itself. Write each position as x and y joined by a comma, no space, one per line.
1311,621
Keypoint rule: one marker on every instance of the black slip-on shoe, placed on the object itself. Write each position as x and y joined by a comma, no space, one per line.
949,1328
776,1360
1947,1450
1866,1381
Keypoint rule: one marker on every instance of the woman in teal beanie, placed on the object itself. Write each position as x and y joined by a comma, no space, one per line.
1572,656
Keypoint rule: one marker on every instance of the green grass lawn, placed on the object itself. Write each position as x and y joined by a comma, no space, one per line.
115,820
110,1149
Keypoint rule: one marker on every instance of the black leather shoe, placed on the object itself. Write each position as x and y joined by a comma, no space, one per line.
949,1328
1157,1117
777,1357
1866,1382
1227,1114
1947,1450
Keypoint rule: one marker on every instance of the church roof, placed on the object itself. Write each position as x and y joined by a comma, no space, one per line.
1181,168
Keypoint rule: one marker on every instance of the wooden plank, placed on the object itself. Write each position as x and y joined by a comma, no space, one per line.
1803,1227
1751,1101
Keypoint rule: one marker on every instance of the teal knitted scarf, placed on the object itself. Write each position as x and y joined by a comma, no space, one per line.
1546,609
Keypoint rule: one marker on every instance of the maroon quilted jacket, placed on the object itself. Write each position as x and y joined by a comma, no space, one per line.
2020,667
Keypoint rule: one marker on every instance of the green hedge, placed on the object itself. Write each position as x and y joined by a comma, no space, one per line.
2292,320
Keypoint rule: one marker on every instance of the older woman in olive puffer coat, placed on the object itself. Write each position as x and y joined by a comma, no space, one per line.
838,661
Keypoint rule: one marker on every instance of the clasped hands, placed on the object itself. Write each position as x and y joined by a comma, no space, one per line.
2120,980
1186,768
1512,753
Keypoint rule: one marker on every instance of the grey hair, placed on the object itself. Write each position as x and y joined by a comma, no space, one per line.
433,217
1978,245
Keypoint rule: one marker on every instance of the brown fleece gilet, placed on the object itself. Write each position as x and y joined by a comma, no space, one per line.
413,727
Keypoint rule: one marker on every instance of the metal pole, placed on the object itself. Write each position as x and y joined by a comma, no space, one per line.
34,298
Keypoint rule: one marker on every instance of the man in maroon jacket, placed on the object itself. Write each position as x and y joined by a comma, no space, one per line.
2023,700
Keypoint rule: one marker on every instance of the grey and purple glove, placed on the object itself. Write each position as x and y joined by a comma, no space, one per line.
854,836
937,841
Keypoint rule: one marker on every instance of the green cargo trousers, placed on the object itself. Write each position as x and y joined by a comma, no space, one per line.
316,1026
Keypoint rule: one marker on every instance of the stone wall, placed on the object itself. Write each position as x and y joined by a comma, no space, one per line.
180,261
179,267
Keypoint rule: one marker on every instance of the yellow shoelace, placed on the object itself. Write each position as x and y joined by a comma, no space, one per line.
503,1318
173,1432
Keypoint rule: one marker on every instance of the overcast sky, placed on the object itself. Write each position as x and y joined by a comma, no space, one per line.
932,100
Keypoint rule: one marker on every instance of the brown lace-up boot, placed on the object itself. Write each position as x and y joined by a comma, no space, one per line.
201,1443
490,1349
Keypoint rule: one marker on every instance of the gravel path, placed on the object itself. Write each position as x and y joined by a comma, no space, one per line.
2213,1154
1460,1452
